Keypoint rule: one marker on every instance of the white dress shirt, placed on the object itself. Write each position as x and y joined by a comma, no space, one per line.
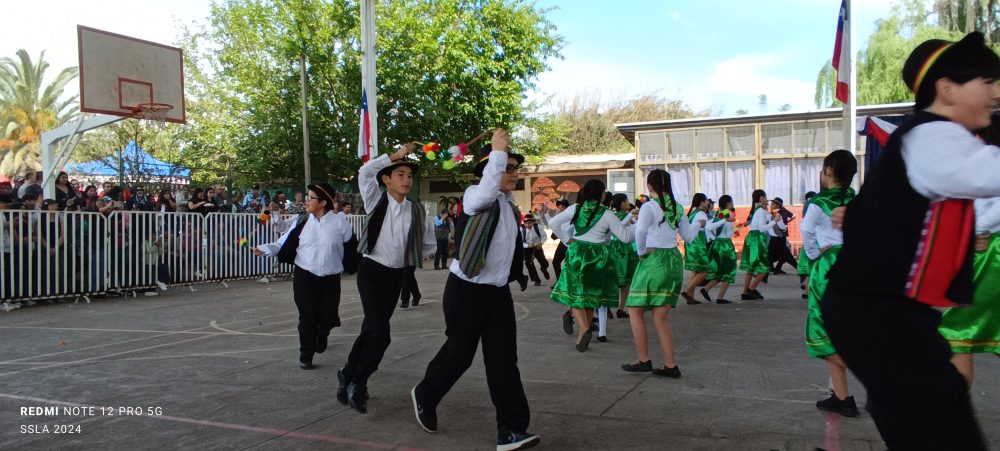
650,233
762,221
944,160
988,215
719,228
818,232
696,222
533,238
600,232
321,244
391,244
500,254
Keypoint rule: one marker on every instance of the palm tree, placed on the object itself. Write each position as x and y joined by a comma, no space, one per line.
27,108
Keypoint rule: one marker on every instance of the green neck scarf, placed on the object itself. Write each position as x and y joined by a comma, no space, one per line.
693,214
620,214
588,215
831,198
672,215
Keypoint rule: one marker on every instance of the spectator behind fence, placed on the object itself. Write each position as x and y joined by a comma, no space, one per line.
253,202
32,184
165,202
66,194
181,197
222,203
89,200
347,208
198,202
5,188
235,203
139,201
297,207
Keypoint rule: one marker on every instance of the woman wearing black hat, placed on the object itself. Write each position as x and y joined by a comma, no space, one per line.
316,247
878,308
393,238
478,305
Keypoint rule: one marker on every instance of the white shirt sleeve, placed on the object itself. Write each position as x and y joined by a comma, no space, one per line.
558,222
647,217
368,183
478,197
624,233
808,229
944,160
687,230
271,249
987,215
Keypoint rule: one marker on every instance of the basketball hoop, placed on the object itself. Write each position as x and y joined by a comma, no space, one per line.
154,114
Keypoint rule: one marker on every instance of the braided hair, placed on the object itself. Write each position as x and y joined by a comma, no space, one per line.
843,165
592,190
659,181
696,201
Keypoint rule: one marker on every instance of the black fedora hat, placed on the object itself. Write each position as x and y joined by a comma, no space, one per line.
324,192
392,167
484,157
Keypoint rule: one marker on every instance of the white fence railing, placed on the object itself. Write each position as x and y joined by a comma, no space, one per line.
47,255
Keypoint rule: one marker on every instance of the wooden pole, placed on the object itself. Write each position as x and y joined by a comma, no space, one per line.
305,120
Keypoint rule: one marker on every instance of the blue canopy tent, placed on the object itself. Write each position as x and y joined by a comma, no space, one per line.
135,164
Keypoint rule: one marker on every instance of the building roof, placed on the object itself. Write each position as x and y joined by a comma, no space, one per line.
628,130
585,162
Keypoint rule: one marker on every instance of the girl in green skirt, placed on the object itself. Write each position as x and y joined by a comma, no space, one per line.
623,254
822,242
588,280
696,252
754,259
976,329
722,255
803,268
658,278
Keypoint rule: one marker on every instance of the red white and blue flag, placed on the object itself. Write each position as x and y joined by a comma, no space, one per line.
842,56
364,130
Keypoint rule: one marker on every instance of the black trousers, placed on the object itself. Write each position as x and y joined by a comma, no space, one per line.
892,344
379,287
532,254
441,257
410,288
778,252
474,312
558,258
318,301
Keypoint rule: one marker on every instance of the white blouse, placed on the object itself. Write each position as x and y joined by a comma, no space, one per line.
600,232
720,228
651,233
988,215
818,232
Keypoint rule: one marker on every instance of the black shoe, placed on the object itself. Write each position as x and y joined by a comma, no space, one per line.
585,341
622,314
404,304
545,273
603,339
416,301
342,388
748,296
357,397
307,365
538,283
508,440
568,322
757,294
690,300
778,271
593,326
321,343
641,367
704,293
722,301
426,418
805,296
610,316
673,373
846,407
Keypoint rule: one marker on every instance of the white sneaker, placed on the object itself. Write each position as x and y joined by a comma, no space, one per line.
8,306
163,286
264,280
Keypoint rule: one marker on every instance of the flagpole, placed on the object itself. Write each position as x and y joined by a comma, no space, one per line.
850,126
368,81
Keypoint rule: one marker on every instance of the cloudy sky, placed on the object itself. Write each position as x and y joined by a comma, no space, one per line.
713,54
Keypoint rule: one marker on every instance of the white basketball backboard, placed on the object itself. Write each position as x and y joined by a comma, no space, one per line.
118,73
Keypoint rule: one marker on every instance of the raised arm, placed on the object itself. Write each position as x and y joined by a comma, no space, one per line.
808,229
482,195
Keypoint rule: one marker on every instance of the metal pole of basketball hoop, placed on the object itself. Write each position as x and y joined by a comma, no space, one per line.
52,160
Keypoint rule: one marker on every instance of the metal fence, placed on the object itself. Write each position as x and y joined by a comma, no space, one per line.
54,255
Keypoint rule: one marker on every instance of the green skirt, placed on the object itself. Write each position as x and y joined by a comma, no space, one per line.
754,259
977,328
625,260
696,254
722,261
817,341
804,264
587,279
658,279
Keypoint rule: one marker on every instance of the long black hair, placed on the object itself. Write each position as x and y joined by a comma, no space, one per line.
725,202
696,201
592,190
659,181
618,200
755,199
606,199
843,165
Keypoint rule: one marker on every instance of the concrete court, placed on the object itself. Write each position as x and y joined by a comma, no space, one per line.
221,364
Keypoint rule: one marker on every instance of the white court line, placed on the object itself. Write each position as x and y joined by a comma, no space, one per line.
255,309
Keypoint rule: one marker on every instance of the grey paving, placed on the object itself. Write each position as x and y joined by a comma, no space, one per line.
221,364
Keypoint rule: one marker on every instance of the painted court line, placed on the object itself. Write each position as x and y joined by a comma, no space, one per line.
239,427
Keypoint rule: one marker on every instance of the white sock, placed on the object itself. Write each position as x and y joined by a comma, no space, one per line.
602,322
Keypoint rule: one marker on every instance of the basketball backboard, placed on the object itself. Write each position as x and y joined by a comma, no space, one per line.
119,73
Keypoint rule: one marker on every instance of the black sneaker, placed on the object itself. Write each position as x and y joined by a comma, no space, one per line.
748,296
342,387
757,294
538,283
690,300
585,341
641,367
622,313
603,339
321,343
722,301
805,296
545,273
845,407
673,373
426,418
568,322
508,440
704,294
404,304
357,397
610,316
416,301
307,365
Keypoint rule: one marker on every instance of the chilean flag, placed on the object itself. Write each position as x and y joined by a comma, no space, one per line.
364,130
877,128
842,58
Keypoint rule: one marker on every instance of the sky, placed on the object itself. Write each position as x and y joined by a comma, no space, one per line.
717,55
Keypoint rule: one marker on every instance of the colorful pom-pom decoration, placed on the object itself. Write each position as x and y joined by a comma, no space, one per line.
244,243
448,164
724,214
263,218
431,147
431,156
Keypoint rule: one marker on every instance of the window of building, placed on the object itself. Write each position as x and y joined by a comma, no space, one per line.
778,179
682,181
835,134
740,181
810,137
710,143
806,178
680,145
776,138
712,177
645,170
652,146
742,141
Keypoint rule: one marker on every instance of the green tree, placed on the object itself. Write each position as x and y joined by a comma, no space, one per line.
28,107
447,70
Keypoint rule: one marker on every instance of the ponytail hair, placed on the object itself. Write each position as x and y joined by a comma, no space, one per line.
659,181
844,166
592,190
725,202
755,198
696,201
